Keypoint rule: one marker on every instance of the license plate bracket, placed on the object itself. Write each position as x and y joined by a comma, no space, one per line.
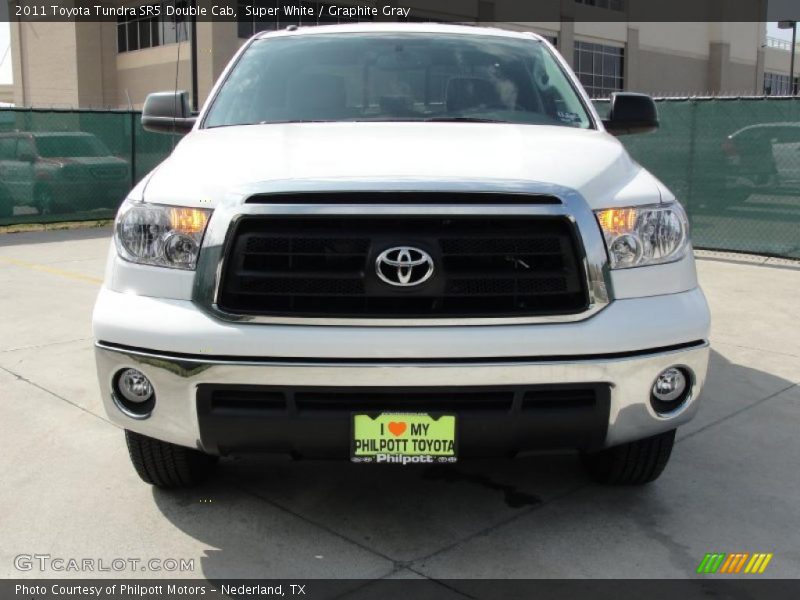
403,438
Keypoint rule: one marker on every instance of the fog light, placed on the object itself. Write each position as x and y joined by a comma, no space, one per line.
180,249
134,386
134,394
670,389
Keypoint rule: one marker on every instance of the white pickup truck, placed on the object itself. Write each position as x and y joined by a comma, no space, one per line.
400,244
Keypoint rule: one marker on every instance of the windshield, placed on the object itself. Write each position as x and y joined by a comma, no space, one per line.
397,77
53,146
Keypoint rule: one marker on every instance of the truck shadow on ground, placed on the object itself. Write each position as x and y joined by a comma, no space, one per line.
282,518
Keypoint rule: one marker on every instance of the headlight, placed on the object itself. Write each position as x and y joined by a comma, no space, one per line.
644,235
165,236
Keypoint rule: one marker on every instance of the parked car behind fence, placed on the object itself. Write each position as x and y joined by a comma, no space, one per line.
56,172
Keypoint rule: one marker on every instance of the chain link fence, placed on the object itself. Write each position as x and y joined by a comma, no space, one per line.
69,165
733,162
735,165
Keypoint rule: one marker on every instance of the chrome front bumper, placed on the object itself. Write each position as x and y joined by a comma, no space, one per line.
176,377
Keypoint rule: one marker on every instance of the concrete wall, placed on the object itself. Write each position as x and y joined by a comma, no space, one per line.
44,68
777,60
96,47
64,65
663,74
154,69
7,93
151,70
696,58
743,79
611,33
217,43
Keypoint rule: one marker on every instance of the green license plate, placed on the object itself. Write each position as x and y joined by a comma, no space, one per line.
404,438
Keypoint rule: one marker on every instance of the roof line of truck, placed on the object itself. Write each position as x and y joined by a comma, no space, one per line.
399,28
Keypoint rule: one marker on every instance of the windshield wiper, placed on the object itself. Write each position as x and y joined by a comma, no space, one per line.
285,121
368,120
279,122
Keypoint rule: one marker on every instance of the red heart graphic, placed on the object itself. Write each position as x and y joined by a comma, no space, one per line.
397,428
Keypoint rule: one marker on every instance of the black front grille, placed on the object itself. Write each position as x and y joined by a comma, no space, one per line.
254,400
323,266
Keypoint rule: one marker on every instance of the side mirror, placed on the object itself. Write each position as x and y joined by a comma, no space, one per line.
167,112
26,156
631,113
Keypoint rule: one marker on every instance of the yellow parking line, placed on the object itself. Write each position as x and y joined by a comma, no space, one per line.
51,270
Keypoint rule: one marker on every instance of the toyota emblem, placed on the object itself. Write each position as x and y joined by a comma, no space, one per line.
404,266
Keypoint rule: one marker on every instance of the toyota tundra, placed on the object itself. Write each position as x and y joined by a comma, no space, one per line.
400,244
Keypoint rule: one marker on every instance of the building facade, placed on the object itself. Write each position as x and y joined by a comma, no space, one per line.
6,93
116,64
777,60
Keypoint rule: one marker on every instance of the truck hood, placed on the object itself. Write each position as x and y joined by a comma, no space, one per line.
211,164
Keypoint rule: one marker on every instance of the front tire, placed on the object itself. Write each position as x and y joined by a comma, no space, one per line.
634,463
167,465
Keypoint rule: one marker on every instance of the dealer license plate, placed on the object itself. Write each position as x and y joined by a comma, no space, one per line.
403,438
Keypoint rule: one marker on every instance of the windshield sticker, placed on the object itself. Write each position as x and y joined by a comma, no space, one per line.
568,117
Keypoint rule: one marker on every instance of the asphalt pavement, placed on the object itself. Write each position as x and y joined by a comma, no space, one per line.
69,491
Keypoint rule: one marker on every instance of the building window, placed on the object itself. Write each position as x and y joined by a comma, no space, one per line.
138,33
608,4
248,26
600,68
776,84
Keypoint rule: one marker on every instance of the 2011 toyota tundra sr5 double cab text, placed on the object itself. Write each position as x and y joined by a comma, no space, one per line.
400,244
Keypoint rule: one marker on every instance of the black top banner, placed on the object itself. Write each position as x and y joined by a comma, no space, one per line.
300,12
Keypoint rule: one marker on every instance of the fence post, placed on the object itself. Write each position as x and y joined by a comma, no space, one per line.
692,153
133,148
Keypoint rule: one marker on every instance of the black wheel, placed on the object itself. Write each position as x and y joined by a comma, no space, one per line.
634,463
43,198
167,465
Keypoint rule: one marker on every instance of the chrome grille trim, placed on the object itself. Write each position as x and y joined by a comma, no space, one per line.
218,238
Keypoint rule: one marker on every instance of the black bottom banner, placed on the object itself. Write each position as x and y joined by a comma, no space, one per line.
412,589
